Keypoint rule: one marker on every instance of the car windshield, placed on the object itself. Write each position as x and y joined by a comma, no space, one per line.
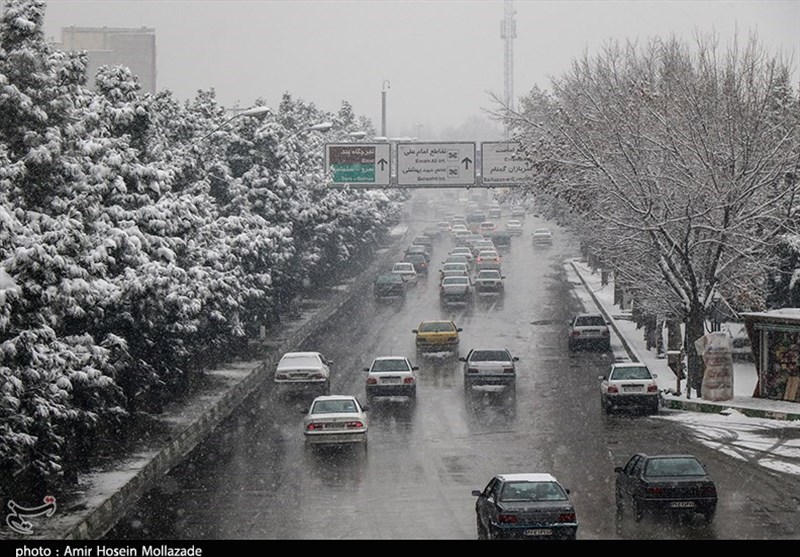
436,327
333,406
638,372
590,321
532,491
490,356
394,364
679,466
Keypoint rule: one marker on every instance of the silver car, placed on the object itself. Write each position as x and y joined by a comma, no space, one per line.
303,371
489,366
391,376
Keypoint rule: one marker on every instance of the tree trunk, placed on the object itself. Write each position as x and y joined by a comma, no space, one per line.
695,329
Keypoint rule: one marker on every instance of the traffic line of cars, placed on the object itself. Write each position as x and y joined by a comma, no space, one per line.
515,505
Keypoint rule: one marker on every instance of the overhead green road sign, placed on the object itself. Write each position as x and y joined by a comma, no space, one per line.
358,164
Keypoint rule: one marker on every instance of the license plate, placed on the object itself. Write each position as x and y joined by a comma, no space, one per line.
538,532
390,380
632,388
335,425
682,504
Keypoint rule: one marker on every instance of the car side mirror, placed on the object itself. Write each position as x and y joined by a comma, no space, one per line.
476,492
515,359
655,375
364,408
618,469
366,369
414,368
459,330
462,359
415,331
602,377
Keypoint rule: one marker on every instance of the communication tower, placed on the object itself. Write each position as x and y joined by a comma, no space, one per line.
508,32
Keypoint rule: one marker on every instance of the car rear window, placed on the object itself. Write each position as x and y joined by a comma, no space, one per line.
532,491
390,365
333,406
590,321
631,373
661,467
490,356
436,328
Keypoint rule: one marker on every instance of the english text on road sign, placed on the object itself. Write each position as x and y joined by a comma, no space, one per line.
358,164
502,164
436,164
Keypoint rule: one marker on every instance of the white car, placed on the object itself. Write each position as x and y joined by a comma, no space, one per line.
453,270
589,331
488,259
466,252
629,384
456,290
304,371
391,376
336,420
490,366
489,281
542,237
406,271
514,227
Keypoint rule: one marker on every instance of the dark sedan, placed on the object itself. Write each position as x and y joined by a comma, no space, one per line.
389,286
673,484
525,506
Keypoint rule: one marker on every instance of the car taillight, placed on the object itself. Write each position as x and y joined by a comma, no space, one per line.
654,490
472,370
606,333
408,380
317,376
567,517
652,388
613,389
576,333
355,424
312,426
508,370
371,381
507,519
281,376
708,491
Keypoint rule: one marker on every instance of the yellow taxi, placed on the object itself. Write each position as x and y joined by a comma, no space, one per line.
437,336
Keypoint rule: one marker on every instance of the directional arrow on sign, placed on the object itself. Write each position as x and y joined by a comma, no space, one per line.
383,163
466,161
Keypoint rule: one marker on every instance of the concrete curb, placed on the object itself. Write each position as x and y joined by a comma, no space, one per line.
99,513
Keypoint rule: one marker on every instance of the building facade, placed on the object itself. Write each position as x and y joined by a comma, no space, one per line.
115,46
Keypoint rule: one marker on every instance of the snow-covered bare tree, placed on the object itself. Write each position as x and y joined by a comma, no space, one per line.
680,162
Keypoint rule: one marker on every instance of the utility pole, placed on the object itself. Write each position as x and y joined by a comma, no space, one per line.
508,32
386,85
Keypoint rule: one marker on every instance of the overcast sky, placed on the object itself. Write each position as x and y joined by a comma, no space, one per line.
439,59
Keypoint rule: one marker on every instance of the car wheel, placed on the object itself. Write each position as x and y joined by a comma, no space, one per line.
482,535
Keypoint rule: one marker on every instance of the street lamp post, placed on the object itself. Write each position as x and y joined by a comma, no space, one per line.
386,85
254,111
358,136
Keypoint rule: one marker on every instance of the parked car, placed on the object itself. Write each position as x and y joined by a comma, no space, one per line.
665,484
589,330
514,227
406,271
629,385
437,336
389,286
391,376
525,506
419,261
303,372
456,290
488,259
489,366
542,237
489,281
336,420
